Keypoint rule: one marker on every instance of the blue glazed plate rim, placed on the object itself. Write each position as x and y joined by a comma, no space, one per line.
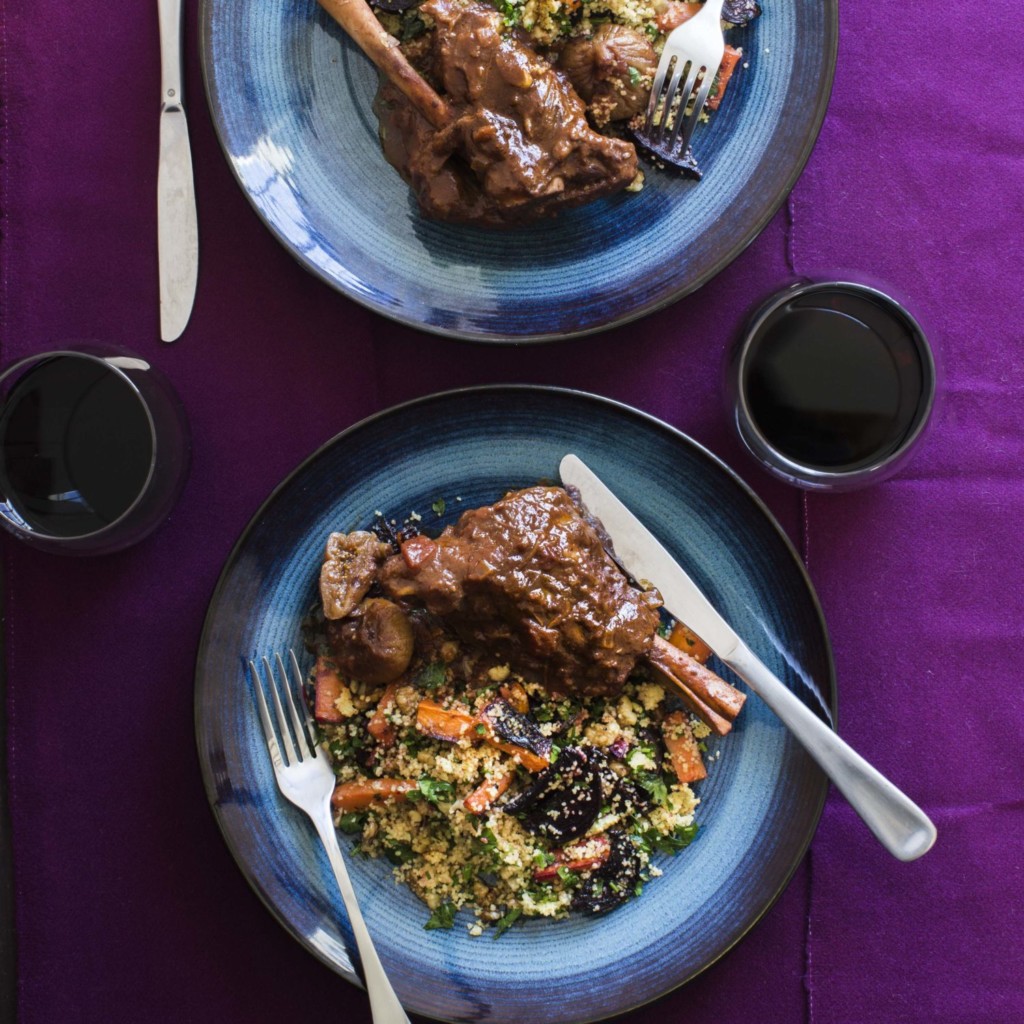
652,422
765,211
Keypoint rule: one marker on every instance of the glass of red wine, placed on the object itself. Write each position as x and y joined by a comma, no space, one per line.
831,385
94,450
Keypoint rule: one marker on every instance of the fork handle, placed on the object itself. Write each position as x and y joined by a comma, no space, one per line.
384,1004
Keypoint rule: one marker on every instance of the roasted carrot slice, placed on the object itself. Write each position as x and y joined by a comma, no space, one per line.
597,852
358,794
674,13
527,758
725,70
327,688
452,726
686,640
487,792
379,727
441,724
515,694
683,751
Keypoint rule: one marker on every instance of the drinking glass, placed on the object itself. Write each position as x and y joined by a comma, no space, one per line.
831,384
94,449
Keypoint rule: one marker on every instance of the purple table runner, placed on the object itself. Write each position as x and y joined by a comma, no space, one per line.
128,905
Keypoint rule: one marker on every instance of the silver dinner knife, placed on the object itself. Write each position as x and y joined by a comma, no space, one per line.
177,228
898,823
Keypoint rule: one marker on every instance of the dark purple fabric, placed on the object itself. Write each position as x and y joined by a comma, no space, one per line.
128,904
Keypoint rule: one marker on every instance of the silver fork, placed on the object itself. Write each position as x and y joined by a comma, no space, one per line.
307,780
695,47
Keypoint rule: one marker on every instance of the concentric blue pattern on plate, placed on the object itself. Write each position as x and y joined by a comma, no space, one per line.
290,96
759,805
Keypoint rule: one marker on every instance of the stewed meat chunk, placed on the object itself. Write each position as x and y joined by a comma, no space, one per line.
518,145
528,580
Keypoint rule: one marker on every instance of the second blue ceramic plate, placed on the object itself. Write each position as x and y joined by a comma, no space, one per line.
759,805
290,98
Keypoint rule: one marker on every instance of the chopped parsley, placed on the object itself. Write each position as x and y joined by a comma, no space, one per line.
443,917
654,783
435,791
399,853
352,822
438,507
507,921
511,14
653,841
431,676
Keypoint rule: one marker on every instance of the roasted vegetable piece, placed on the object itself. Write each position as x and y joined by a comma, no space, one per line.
379,727
374,644
327,688
683,751
673,13
686,640
452,726
480,800
740,12
515,694
614,882
725,70
618,794
520,730
349,569
527,758
441,724
585,856
359,794
564,801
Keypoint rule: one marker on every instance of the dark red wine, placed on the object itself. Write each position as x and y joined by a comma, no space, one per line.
76,446
836,380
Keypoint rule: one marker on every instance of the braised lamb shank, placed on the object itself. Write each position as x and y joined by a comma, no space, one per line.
528,580
517,145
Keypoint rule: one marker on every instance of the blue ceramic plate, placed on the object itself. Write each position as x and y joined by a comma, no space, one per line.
290,97
759,805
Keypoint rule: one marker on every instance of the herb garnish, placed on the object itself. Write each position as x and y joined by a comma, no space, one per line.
443,917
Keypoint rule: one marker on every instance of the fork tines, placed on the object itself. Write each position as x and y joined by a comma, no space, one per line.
297,736
673,112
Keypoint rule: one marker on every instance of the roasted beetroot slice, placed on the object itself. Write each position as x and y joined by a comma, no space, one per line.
565,799
740,12
512,727
662,156
614,882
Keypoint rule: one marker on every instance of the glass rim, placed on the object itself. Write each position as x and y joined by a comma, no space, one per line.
18,369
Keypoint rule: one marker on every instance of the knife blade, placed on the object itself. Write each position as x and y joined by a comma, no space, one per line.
177,226
898,823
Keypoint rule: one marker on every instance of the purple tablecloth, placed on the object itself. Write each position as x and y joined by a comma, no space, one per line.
128,905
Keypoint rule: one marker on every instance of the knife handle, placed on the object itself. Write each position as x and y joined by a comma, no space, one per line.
169,12
897,822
